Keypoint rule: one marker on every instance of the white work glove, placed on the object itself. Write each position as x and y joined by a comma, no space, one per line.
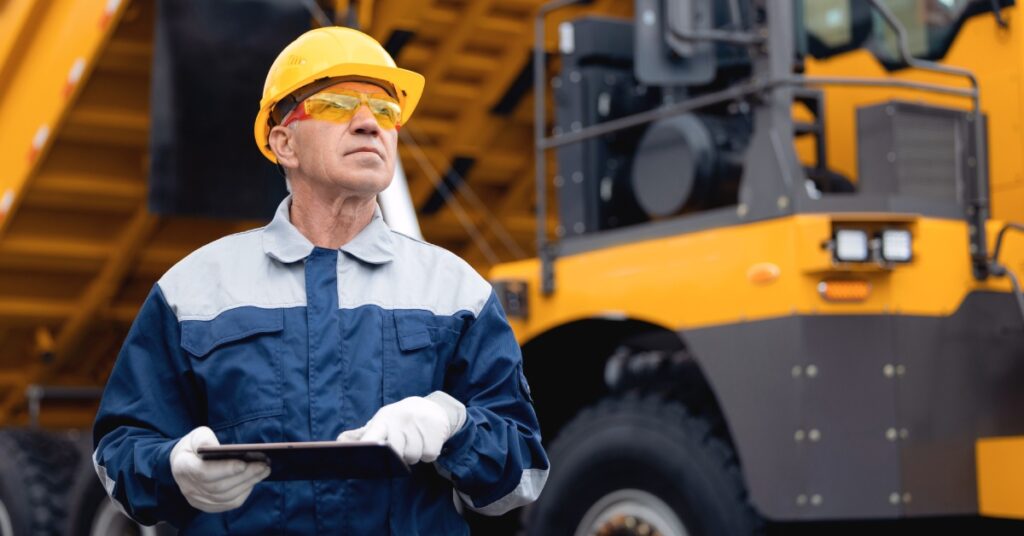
416,427
212,485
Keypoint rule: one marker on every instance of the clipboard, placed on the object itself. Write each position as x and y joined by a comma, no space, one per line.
316,460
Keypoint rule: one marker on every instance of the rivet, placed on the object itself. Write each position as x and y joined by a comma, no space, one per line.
894,498
888,370
906,498
575,77
798,435
891,434
796,371
812,371
900,370
816,499
904,433
578,227
802,500
577,177
814,434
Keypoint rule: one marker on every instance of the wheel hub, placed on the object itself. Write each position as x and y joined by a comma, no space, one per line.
631,512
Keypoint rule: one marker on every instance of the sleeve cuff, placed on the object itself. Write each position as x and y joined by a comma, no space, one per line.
455,410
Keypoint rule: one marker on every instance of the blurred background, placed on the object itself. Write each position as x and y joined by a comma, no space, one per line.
761,256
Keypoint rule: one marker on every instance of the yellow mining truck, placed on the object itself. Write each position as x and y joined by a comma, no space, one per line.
783,282
776,283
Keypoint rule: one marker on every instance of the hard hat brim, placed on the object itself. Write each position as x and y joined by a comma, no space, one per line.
408,84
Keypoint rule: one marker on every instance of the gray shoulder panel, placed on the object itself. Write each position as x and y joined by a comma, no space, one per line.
421,276
231,272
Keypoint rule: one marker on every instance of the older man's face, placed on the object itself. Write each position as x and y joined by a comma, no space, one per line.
358,156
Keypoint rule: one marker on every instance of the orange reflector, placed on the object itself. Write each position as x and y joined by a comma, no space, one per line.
763,273
844,290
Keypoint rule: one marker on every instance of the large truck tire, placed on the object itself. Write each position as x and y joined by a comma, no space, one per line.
36,468
93,513
642,466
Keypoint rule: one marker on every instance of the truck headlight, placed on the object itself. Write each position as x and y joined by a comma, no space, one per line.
896,245
851,245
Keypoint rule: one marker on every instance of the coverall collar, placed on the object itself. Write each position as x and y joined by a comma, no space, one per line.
283,242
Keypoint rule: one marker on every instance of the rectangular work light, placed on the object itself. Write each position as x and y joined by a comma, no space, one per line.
896,246
851,245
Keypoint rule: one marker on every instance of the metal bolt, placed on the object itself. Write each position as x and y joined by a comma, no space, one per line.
796,371
814,434
900,370
891,434
783,202
816,499
888,370
578,227
648,17
904,433
906,498
741,210
575,125
812,371
801,500
575,77
577,177
894,498
798,435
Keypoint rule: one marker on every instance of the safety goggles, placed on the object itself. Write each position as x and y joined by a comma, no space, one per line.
340,105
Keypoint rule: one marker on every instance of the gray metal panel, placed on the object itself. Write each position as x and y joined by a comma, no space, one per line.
962,380
852,467
914,150
750,368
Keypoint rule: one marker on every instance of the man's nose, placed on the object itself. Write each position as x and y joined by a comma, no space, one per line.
363,122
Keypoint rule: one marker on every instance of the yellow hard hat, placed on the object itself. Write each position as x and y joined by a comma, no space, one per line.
326,53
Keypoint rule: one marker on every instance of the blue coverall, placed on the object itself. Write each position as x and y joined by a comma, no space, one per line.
264,338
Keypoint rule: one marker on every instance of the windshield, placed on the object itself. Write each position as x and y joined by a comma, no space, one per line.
837,26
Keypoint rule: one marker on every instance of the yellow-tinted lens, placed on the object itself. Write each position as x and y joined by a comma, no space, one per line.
339,106
386,111
332,107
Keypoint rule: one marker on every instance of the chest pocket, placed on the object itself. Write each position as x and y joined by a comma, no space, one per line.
237,362
416,362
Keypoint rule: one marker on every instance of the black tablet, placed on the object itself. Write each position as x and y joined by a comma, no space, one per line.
316,460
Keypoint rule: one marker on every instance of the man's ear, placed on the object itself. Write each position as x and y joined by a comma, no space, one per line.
281,142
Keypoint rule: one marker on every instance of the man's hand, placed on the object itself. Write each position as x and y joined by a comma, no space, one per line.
416,427
212,485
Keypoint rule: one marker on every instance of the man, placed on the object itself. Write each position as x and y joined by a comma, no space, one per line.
324,324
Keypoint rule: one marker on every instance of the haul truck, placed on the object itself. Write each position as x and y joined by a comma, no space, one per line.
783,284
722,325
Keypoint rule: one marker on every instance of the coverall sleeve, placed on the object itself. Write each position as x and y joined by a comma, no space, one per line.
495,461
149,403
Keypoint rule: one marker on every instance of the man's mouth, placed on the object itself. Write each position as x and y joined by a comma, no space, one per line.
364,150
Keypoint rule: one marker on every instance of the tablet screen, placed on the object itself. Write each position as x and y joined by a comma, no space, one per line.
316,460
